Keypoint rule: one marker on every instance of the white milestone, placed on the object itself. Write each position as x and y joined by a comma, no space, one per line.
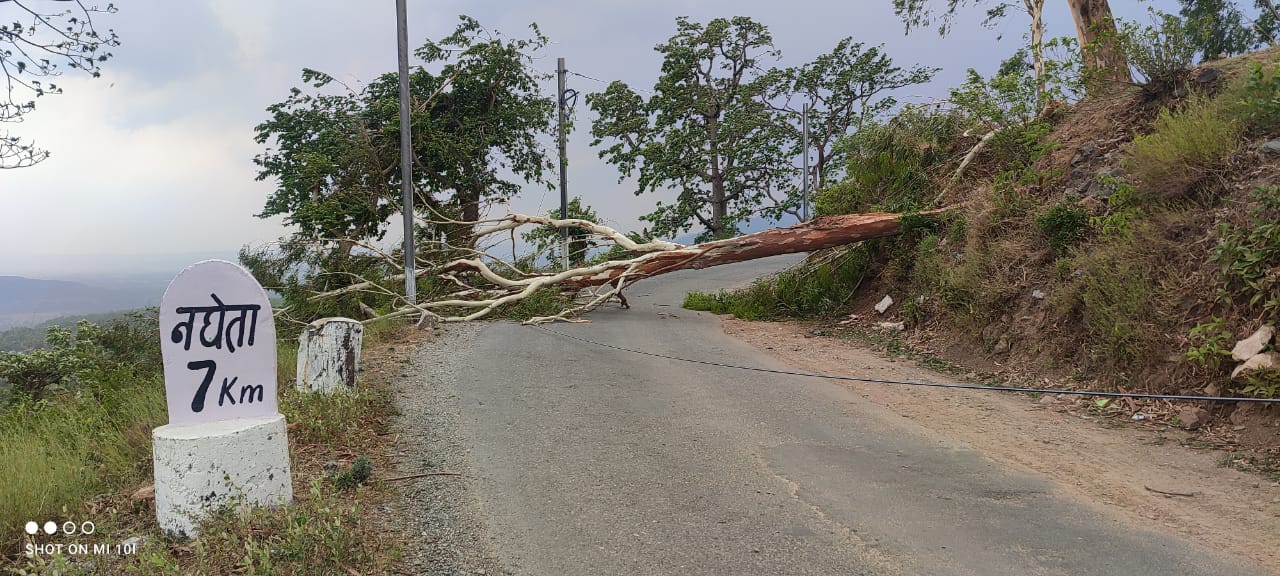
329,355
225,443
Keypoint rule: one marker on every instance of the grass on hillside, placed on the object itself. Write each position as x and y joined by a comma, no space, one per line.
79,458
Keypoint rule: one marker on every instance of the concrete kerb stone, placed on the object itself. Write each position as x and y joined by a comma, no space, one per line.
329,355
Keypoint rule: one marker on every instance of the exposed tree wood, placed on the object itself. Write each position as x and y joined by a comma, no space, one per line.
1097,32
482,290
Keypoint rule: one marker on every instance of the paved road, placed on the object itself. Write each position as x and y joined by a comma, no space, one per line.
598,462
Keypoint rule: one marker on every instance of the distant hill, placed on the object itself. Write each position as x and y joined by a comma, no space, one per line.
28,301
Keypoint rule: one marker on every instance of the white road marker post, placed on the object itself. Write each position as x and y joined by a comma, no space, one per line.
226,441
329,355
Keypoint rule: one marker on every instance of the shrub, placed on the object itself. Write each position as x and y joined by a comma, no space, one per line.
1248,257
1160,52
821,286
1211,344
1262,98
1186,146
1062,226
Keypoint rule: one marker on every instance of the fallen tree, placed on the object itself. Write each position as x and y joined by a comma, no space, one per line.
482,289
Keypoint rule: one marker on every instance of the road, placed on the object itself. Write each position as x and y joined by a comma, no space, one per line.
593,461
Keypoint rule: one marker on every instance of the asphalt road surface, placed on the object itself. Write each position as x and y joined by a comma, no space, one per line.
592,461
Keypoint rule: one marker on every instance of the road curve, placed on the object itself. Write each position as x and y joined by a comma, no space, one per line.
592,461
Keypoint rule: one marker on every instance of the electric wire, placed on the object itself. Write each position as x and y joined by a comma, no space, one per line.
955,386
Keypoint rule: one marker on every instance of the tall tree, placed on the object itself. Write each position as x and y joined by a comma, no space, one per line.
844,89
704,131
38,40
475,122
1221,29
1097,32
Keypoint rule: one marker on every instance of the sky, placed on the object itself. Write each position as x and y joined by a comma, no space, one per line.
152,163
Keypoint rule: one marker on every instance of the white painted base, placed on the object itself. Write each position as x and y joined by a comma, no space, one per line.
200,467
329,355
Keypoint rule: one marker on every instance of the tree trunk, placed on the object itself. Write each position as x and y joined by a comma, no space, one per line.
1097,32
1035,8
816,234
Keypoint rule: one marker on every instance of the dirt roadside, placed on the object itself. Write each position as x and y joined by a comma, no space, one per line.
1116,468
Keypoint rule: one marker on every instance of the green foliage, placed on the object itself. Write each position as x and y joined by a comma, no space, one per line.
40,38
1124,208
1211,344
335,158
705,131
845,91
359,473
1262,98
1262,384
1220,30
86,356
1248,257
544,302
1160,52
1185,146
891,165
820,287
546,240
1113,294
1062,226
61,449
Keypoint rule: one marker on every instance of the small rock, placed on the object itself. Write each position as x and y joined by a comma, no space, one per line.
1047,400
144,493
132,542
1263,361
1193,417
884,304
1214,389
1242,413
1138,417
1254,344
1272,147
1037,294
331,465
1086,150
1002,346
891,326
1237,428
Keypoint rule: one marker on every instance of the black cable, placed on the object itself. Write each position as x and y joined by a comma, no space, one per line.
925,384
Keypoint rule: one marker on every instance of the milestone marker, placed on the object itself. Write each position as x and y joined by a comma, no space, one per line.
225,439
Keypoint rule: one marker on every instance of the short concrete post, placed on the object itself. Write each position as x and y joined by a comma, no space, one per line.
329,355
225,441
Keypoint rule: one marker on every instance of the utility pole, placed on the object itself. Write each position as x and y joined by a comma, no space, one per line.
564,162
406,155
804,198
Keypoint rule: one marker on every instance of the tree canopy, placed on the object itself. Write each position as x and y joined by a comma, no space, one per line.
334,150
38,40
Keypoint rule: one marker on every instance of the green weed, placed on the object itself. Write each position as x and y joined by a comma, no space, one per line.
1062,226
1186,146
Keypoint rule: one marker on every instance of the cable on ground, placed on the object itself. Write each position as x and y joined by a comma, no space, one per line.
922,384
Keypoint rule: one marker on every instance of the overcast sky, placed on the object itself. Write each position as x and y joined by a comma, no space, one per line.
155,157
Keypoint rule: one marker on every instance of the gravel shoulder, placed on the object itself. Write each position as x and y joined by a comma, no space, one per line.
1113,467
443,519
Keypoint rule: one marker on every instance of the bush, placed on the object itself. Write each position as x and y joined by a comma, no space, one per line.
1262,98
1062,226
821,286
891,165
1160,52
1211,344
1186,146
1248,257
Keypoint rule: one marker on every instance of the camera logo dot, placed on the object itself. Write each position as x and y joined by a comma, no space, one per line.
50,527
32,528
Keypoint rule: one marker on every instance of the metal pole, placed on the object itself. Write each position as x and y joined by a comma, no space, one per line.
406,154
804,202
564,162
